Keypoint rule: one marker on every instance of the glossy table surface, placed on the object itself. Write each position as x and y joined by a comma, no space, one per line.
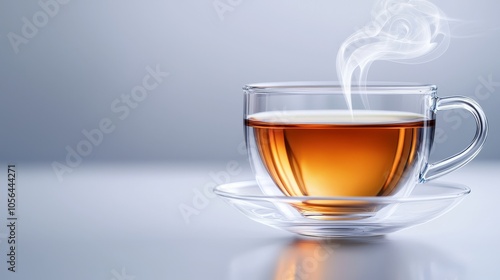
157,221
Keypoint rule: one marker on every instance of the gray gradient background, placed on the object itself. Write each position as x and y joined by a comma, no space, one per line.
91,52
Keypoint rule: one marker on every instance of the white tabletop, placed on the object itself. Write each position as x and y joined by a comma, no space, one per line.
123,221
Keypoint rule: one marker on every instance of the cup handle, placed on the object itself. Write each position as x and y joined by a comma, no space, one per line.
440,168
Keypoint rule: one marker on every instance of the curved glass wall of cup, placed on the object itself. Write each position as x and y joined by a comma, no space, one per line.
277,100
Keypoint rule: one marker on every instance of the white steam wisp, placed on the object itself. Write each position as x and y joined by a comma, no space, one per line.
404,31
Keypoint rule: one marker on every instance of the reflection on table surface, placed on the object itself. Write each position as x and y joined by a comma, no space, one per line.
372,258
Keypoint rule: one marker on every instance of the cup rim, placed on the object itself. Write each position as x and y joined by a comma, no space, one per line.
329,87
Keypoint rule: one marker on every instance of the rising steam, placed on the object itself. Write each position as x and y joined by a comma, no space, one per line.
404,31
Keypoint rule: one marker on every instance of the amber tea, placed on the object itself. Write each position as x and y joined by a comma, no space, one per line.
329,153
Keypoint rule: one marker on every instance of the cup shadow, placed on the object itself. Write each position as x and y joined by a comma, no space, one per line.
367,258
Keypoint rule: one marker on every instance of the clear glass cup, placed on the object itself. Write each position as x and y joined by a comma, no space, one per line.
303,139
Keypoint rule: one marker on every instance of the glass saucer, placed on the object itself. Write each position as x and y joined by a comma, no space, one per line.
379,215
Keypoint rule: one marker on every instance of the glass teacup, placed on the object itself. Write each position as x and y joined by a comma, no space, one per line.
303,139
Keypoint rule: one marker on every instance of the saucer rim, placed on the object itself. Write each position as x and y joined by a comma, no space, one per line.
224,190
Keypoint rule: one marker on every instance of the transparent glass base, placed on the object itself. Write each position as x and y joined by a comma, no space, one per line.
343,216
